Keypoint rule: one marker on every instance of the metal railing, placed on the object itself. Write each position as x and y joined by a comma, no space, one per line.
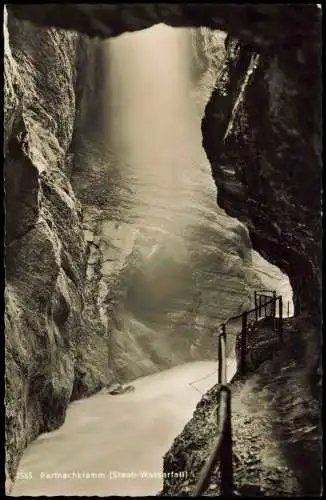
222,449
265,309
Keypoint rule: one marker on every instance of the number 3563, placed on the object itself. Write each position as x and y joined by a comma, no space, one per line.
24,475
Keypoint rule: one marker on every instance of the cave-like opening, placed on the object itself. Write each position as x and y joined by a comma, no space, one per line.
103,251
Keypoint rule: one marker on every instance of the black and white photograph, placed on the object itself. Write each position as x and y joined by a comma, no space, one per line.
162,269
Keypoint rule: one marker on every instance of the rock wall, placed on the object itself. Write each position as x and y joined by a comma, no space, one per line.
261,132
46,343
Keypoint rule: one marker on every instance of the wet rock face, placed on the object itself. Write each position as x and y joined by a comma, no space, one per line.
158,281
45,249
261,132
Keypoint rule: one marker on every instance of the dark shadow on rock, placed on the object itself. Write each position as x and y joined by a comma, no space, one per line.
250,490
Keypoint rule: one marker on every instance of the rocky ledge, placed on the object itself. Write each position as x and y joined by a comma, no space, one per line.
261,132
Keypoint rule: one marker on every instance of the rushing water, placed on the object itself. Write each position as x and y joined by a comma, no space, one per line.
105,435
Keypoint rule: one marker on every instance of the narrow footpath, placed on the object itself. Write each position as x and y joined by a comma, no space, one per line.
260,465
276,426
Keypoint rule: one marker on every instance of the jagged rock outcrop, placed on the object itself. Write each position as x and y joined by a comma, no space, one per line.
261,132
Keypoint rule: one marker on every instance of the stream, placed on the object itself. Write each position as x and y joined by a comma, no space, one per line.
114,445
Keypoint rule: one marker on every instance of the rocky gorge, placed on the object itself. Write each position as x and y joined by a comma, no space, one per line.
87,230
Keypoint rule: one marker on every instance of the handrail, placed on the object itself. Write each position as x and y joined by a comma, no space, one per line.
217,447
222,341
238,316
222,448
264,304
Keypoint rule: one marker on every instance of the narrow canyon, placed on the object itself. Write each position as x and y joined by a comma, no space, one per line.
160,167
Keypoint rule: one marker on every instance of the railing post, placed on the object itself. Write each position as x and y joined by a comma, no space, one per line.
220,355
265,308
243,344
288,308
280,328
274,304
226,451
256,310
259,308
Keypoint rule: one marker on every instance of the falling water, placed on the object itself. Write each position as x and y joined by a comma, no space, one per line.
172,264
153,126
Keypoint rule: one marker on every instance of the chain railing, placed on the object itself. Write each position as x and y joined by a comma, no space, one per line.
266,306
